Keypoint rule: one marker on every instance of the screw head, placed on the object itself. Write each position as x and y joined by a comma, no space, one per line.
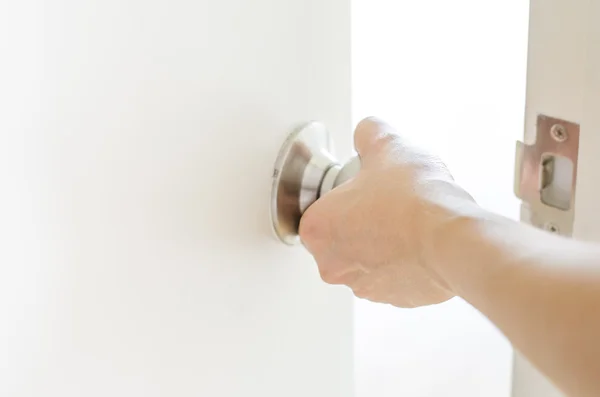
559,133
551,227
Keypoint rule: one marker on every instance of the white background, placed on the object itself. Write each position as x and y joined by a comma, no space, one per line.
450,74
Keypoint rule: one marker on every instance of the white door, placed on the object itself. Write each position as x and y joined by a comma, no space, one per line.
563,85
138,257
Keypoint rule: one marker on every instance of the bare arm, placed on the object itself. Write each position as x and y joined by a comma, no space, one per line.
402,232
542,291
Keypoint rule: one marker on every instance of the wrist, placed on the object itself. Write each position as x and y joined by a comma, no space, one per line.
457,242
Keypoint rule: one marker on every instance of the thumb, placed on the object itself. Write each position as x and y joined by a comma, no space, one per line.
371,137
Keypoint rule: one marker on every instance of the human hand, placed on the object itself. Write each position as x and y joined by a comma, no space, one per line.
377,233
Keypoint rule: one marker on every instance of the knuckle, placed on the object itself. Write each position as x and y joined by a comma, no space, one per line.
363,292
316,228
387,141
366,130
372,134
327,276
311,226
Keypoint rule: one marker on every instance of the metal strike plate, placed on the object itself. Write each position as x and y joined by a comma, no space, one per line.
546,175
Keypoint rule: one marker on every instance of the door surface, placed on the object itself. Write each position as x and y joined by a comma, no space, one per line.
139,257
563,82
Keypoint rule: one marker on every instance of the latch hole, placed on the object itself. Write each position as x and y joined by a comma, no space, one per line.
556,188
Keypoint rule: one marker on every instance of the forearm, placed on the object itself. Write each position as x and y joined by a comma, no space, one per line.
541,290
402,232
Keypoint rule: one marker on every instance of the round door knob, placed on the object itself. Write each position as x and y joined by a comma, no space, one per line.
305,170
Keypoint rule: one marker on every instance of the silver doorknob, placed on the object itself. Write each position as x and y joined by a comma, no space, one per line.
305,170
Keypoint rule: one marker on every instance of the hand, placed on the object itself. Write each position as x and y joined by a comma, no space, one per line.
377,233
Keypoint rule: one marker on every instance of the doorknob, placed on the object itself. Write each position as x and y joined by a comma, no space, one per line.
305,170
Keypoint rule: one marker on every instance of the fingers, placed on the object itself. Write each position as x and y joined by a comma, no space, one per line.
373,136
314,230
319,225
319,231
337,272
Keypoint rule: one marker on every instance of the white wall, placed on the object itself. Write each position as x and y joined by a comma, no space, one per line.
137,140
450,74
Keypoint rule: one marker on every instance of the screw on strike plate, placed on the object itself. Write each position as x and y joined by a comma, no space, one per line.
551,227
559,133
